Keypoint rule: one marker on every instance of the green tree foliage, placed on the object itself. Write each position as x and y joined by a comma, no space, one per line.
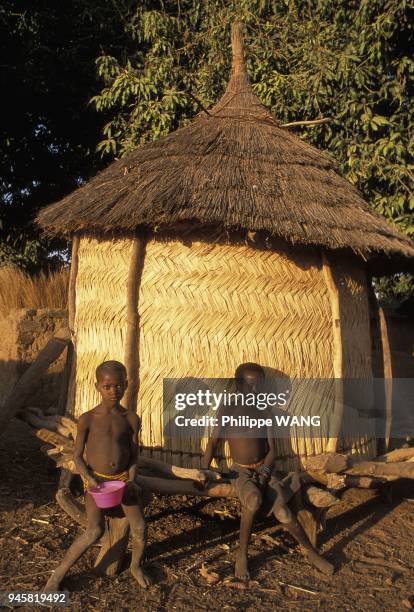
347,60
350,61
394,289
48,129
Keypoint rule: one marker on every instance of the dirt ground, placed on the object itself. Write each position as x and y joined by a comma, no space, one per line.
369,539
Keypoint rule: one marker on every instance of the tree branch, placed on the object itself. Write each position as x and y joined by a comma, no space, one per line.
312,122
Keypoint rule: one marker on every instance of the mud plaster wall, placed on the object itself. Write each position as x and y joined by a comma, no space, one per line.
23,333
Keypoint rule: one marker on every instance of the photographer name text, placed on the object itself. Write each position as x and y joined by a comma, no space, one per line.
247,422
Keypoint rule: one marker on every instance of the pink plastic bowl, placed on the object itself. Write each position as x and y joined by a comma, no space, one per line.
109,493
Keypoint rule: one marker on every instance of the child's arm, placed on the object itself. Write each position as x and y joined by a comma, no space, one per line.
269,460
270,457
135,423
79,448
213,441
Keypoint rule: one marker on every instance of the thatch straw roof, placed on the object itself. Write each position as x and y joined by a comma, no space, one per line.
235,167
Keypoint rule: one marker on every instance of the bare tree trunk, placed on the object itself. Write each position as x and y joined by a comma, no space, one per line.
24,387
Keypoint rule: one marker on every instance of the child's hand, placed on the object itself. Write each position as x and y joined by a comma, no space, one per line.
209,476
263,480
265,473
92,482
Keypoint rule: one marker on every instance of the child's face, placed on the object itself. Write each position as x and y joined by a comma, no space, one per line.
112,386
252,381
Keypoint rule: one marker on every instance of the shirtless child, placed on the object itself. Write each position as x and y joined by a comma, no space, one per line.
253,459
109,433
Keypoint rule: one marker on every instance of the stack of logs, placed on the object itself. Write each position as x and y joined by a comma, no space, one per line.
322,476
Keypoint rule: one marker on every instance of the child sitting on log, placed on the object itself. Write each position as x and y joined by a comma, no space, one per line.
109,433
256,485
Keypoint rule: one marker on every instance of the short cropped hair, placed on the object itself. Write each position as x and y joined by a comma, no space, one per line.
110,366
241,369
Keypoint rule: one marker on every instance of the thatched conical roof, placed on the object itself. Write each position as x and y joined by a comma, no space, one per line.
235,167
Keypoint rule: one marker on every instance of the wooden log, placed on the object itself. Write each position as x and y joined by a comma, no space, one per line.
50,424
64,384
320,498
66,463
403,469
73,274
335,482
386,357
397,455
185,487
175,471
327,463
114,545
51,437
337,356
131,341
72,285
50,452
315,476
71,506
346,481
64,422
65,479
305,517
309,522
23,389
367,482
384,369
352,465
46,423
70,425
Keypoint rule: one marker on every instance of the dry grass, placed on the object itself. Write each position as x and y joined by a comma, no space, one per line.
19,290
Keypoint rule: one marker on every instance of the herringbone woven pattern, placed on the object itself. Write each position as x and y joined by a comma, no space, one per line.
100,321
204,309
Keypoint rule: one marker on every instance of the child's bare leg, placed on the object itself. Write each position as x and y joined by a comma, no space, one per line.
250,507
135,515
290,522
93,532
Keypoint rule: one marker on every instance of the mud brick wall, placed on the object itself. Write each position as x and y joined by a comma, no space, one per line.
23,333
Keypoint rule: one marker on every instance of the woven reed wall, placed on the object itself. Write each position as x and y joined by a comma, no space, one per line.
100,319
205,308
351,281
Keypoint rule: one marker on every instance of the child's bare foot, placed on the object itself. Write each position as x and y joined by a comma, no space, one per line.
241,570
141,577
52,584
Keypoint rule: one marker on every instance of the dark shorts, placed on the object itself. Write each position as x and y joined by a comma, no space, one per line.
247,481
